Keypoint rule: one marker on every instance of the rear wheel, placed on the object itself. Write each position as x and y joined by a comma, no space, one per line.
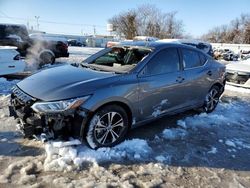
212,99
107,127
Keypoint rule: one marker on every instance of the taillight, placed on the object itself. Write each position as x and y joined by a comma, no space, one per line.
65,46
17,57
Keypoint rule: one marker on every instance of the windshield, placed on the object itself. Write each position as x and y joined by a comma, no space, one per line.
118,59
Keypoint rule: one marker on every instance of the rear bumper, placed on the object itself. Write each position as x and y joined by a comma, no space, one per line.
61,54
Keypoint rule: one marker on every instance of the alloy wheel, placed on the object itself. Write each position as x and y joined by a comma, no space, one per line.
212,100
109,127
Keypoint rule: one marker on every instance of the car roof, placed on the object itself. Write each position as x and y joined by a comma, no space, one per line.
154,44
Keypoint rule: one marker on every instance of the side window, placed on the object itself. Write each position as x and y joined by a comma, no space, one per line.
203,58
191,59
165,61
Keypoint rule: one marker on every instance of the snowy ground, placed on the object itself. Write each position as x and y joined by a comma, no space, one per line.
185,150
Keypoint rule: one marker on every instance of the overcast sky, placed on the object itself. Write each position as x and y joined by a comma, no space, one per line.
78,16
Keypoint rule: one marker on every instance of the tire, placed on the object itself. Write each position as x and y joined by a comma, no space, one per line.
46,58
107,127
212,99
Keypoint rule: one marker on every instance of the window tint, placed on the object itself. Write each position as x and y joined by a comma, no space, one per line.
165,61
190,59
203,59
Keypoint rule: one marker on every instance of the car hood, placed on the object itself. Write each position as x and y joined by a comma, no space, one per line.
63,82
240,66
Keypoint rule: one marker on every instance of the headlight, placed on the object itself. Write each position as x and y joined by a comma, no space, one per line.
58,106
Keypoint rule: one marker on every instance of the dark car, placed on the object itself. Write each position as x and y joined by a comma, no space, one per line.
46,50
74,42
116,89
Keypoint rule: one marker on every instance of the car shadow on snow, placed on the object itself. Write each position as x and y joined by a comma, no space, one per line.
217,140
12,144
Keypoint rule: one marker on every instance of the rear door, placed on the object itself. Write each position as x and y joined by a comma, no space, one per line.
197,75
161,84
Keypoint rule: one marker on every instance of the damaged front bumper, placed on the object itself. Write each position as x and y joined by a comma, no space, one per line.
58,124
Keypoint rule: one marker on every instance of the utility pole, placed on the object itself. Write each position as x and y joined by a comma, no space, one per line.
94,30
37,23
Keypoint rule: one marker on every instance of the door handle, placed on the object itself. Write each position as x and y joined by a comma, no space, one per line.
180,79
209,73
12,66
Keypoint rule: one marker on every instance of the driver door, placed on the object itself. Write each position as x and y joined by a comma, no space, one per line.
161,85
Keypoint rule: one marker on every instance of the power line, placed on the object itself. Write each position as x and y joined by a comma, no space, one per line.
50,22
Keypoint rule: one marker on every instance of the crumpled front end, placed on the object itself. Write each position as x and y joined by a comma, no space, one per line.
32,121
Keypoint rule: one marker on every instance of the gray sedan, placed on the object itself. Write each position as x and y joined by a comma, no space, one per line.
115,90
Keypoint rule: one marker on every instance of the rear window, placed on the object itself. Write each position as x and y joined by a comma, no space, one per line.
191,59
203,58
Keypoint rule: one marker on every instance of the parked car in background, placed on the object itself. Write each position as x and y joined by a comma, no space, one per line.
245,54
115,90
49,47
74,42
230,56
38,45
225,54
10,61
238,74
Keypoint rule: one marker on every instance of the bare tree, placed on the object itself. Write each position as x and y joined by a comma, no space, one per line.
125,24
236,32
147,20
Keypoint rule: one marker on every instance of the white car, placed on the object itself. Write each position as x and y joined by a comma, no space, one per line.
10,61
238,74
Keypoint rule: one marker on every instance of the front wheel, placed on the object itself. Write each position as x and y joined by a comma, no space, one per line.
107,127
212,99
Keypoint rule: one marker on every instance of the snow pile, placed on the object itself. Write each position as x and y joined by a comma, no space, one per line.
65,157
174,134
